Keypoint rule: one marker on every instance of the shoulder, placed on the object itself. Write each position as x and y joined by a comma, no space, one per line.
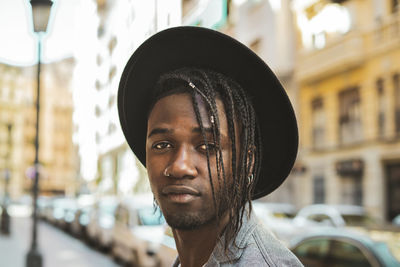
254,245
263,249
271,249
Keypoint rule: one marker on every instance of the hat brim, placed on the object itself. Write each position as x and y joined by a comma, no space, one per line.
188,46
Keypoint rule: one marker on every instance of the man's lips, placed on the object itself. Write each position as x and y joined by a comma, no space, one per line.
180,189
180,193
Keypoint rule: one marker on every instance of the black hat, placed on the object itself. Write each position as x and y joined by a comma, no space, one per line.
188,46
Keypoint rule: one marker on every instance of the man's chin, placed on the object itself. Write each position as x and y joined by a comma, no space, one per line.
188,222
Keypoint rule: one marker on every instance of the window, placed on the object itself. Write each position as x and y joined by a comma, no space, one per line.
112,72
351,192
347,255
395,6
149,216
313,252
319,189
111,44
322,219
381,107
319,40
350,128
396,85
318,123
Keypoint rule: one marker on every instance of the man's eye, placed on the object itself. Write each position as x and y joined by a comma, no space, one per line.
162,145
211,147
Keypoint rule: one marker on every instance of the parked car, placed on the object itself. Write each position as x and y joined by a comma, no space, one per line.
46,207
396,220
101,223
167,252
277,217
69,215
21,207
61,208
43,205
138,231
332,215
340,247
82,216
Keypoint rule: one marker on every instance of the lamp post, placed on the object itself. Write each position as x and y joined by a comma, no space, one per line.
5,217
40,14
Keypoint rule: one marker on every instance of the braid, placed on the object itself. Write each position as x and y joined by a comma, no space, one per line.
197,112
240,114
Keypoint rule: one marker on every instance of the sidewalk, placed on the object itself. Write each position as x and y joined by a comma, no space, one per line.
58,249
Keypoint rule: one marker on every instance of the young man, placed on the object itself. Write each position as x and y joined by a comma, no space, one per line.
215,129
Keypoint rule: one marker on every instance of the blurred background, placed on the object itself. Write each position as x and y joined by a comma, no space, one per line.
339,61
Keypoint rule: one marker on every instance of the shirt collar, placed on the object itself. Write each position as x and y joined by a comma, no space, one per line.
235,250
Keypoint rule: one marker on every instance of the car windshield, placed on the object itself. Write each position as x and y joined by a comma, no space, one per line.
108,208
357,220
283,214
149,216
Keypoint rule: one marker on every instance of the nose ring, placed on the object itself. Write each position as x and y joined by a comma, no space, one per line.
166,174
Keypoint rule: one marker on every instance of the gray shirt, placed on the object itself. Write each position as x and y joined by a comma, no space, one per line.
256,246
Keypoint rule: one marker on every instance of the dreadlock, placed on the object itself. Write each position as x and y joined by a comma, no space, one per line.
210,85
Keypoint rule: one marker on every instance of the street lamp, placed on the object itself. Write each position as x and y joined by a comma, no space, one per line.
40,14
5,217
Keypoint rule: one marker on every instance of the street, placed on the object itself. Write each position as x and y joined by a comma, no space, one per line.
57,248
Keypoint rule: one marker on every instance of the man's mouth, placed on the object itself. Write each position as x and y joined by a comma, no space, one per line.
180,193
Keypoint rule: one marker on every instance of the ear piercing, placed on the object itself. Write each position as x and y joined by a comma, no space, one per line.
250,178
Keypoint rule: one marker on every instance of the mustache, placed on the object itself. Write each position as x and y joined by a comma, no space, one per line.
180,189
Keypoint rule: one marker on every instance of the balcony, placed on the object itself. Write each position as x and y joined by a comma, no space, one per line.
385,36
349,51
338,55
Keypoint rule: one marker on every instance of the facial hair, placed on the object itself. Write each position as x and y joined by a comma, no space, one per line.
196,219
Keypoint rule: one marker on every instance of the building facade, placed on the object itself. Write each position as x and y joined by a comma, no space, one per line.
268,28
118,28
57,154
349,101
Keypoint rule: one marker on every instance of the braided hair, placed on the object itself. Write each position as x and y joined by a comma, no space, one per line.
210,85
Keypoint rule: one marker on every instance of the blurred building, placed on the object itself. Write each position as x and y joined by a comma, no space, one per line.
17,128
348,73
106,43
268,28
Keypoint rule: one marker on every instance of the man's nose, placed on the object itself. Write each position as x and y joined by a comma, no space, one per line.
182,164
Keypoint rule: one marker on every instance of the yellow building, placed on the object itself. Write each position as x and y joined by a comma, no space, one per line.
18,113
348,74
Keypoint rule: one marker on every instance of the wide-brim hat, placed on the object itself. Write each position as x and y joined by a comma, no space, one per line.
188,46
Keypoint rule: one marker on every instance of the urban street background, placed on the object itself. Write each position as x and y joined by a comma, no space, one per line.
61,145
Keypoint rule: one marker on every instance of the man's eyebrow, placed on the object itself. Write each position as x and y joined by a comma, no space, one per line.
207,130
159,131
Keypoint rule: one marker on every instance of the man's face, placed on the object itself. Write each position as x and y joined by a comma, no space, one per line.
175,146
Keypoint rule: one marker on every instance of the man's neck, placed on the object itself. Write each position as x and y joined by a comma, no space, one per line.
195,246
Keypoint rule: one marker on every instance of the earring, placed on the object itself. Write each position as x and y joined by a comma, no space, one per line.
166,174
250,178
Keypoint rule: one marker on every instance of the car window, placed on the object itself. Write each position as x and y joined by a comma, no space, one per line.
344,254
321,218
358,220
283,215
108,208
149,216
313,253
